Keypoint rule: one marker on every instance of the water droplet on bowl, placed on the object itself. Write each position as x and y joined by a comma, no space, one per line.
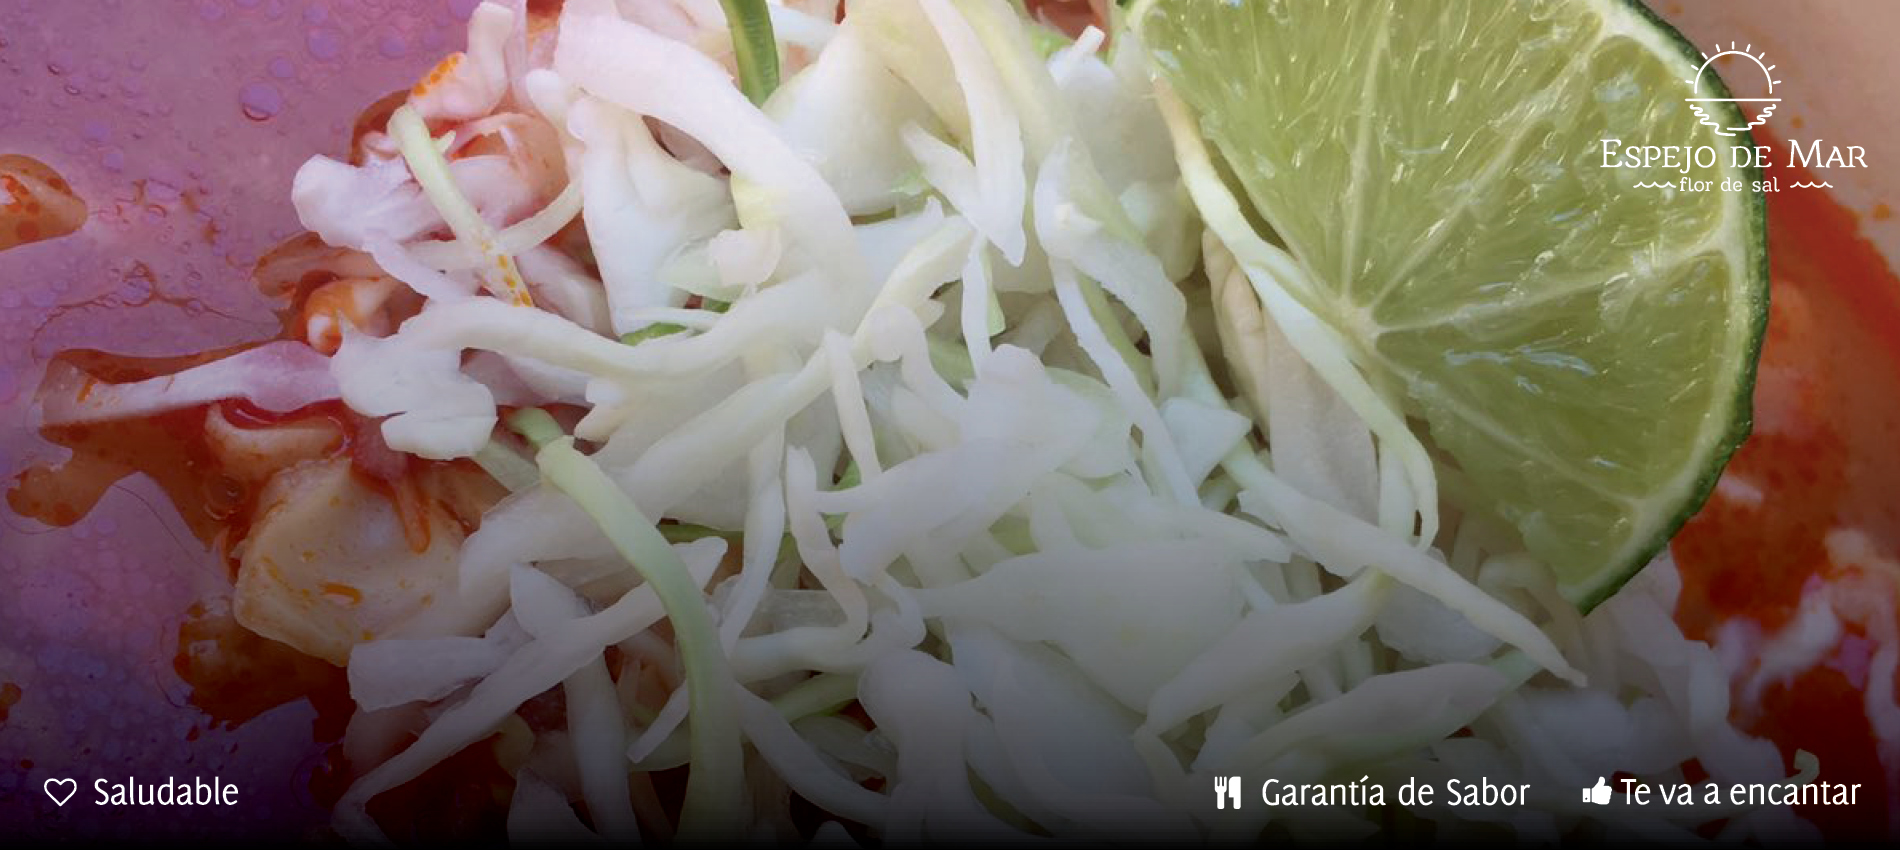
392,46
261,101
161,192
324,43
282,68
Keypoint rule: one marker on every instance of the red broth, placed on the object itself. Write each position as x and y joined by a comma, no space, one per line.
1825,456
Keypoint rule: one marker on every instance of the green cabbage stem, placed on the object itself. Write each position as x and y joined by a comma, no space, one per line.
715,786
753,47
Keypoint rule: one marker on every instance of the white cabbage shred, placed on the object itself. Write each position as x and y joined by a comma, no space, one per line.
913,346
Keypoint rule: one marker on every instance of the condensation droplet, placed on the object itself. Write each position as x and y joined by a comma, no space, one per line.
392,46
161,192
324,43
261,101
282,68
113,160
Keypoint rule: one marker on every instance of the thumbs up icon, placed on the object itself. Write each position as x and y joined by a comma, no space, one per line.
1600,794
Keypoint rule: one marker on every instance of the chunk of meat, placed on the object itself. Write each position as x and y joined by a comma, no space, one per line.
328,564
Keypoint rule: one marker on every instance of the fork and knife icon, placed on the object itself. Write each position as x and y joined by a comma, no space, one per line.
1226,788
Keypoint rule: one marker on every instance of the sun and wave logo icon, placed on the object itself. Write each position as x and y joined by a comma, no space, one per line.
1753,111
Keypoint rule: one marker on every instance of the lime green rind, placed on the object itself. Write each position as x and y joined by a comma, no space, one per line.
1596,510
1741,419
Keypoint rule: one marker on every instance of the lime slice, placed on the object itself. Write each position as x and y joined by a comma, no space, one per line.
1582,348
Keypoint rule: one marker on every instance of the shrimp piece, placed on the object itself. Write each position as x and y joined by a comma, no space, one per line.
35,203
356,301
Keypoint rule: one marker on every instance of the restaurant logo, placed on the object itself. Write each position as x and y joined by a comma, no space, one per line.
1680,163
1753,110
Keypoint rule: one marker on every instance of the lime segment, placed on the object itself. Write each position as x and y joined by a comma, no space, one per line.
1582,348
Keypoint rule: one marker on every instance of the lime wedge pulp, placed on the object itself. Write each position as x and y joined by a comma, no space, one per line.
1581,347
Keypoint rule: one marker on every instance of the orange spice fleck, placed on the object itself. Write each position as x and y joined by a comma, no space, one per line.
436,75
513,287
1882,212
347,593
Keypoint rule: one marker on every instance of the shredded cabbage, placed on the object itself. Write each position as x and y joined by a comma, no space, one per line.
948,377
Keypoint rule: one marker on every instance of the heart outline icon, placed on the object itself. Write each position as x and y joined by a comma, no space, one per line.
71,786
